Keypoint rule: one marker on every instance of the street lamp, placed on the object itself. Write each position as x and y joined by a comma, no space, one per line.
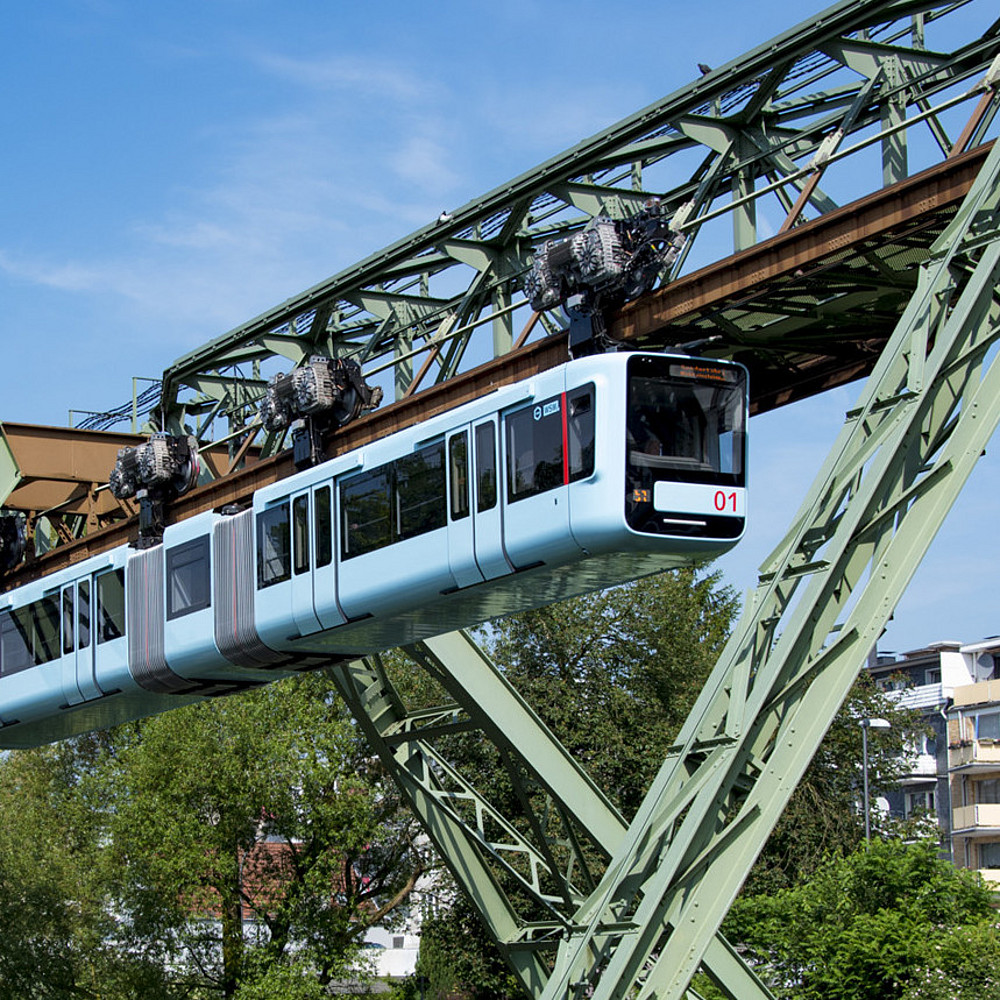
867,724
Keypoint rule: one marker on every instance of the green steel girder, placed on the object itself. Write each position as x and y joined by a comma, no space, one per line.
761,129
564,827
925,417
580,903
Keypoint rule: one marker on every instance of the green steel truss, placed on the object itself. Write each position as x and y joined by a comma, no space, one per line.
547,854
583,905
856,97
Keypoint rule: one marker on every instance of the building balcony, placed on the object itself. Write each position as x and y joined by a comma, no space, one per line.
981,693
923,766
921,696
981,818
983,755
991,876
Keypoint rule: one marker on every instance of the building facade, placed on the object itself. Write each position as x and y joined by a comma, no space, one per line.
954,775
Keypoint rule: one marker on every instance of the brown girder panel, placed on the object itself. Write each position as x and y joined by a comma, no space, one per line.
806,310
62,468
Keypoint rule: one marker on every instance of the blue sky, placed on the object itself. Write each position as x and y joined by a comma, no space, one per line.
171,170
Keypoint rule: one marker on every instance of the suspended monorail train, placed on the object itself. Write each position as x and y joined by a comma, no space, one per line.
602,470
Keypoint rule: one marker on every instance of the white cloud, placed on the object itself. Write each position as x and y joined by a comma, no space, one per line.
364,77
424,161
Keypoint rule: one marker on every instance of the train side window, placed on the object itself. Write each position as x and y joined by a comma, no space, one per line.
68,620
45,628
458,462
29,636
300,534
189,578
323,526
420,492
274,564
110,605
580,433
365,506
486,467
83,614
534,449
15,646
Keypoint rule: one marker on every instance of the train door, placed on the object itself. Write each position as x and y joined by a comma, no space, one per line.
535,495
86,645
324,573
71,690
461,530
303,609
487,510
78,649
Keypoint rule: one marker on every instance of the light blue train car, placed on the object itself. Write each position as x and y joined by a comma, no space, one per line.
602,470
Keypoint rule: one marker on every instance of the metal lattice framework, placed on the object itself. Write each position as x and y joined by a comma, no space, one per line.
857,97
650,919
849,101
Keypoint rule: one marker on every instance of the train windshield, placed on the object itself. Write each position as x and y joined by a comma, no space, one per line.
685,424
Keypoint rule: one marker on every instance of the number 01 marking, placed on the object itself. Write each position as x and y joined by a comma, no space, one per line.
725,501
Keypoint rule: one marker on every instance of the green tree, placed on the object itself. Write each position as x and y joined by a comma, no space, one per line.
457,957
57,921
614,675
878,923
267,806
823,816
130,858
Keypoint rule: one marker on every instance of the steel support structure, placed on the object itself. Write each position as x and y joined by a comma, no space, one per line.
826,112
582,905
528,868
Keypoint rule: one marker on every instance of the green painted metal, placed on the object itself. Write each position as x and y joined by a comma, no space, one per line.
748,140
644,916
10,472
926,415
528,873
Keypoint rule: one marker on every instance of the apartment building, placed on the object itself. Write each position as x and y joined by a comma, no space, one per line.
954,775
974,764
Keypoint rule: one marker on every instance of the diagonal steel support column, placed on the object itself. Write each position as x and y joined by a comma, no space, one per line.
928,411
570,820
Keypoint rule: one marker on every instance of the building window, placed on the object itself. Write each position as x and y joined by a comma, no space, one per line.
988,791
989,854
919,803
988,726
